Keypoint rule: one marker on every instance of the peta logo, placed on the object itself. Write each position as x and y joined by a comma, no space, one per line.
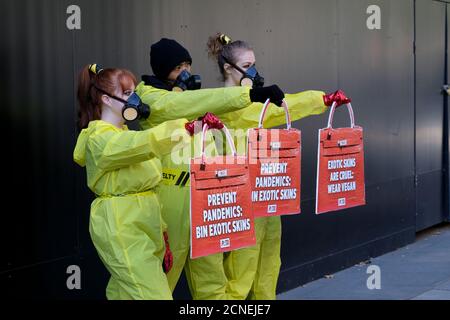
275,145
271,208
342,143
225,243
341,202
221,173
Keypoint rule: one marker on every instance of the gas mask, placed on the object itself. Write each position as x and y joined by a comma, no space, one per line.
133,107
250,78
187,81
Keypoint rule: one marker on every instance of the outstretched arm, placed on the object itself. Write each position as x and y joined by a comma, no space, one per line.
300,105
168,105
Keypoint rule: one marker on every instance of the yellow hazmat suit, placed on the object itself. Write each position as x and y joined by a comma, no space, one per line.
168,105
125,222
206,276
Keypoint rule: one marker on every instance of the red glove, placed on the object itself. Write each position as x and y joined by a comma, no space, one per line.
168,257
339,97
212,120
190,127
209,118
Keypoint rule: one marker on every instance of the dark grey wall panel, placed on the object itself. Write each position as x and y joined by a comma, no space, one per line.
446,144
430,26
430,70
39,97
375,67
300,45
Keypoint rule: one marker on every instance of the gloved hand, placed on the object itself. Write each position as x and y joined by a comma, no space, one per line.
168,257
274,93
190,127
338,96
212,121
209,118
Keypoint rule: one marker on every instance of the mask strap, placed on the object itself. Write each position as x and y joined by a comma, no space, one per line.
234,66
110,95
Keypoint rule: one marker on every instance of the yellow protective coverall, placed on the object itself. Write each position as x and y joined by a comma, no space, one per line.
206,276
125,222
168,105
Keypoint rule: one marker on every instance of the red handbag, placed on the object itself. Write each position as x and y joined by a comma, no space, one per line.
340,168
221,212
274,157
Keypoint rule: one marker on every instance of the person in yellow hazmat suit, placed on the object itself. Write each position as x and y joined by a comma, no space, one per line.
172,91
252,272
123,169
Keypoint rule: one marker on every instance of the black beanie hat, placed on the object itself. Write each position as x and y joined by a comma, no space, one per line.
165,55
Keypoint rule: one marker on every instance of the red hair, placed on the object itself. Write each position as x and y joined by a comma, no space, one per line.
90,98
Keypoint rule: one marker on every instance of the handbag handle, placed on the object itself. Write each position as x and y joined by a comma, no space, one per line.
227,135
264,109
333,109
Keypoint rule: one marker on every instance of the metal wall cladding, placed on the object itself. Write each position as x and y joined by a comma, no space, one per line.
430,68
299,45
376,68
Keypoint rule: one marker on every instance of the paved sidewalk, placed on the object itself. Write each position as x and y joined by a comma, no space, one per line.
419,271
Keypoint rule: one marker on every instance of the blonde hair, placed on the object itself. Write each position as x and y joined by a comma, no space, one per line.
221,48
